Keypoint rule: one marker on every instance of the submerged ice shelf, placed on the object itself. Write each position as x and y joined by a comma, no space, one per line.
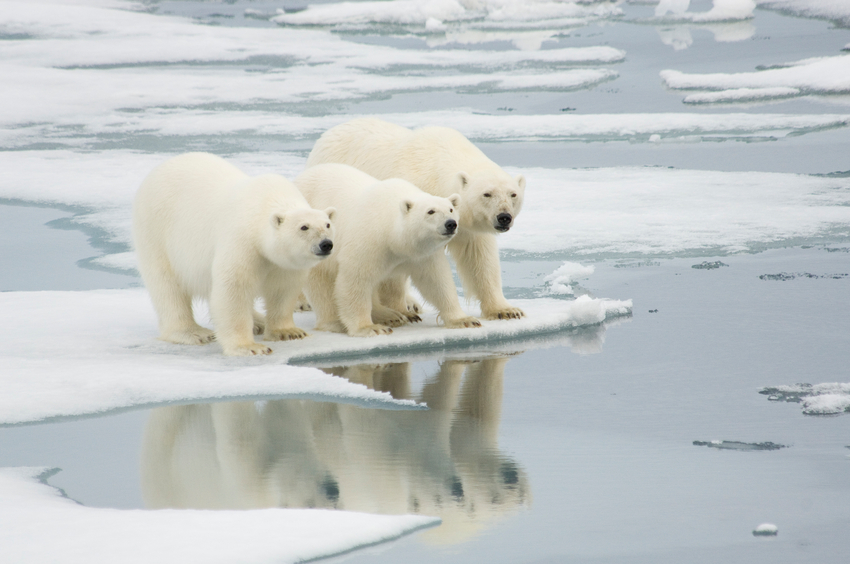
82,353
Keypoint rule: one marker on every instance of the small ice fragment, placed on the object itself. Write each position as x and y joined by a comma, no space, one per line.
765,530
433,24
654,138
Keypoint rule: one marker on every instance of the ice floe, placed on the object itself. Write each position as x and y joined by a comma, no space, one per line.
420,12
820,75
586,211
40,524
838,10
81,353
818,399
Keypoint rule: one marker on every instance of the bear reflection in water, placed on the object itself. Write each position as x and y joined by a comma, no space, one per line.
444,461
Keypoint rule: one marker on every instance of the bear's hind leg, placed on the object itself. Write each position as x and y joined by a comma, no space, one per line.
320,291
393,294
281,293
173,307
354,303
433,277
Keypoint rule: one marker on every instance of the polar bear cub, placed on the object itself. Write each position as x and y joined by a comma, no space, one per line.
440,161
203,228
386,231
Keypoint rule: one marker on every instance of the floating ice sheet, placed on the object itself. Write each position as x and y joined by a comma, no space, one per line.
587,211
39,524
838,10
419,12
820,75
78,353
818,399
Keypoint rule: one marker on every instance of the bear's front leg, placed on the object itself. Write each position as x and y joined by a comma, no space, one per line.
432,275
477,260
281,292
232,307
353,297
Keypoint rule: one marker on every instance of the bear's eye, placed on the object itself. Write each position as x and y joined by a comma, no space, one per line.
328,226
304,228
486,194
513,195
451,210
430,212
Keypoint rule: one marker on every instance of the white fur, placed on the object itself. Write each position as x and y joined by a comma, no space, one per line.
387,231
203,228
440,161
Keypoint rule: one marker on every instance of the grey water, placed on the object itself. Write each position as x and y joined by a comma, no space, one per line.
546,455
568,453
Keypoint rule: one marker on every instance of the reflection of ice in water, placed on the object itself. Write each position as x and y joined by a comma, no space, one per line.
721,10
444,461
679,36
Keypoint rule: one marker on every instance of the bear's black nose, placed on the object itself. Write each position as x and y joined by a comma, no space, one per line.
504,219
451,226
325,246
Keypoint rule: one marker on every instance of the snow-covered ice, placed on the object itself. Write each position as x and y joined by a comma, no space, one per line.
39,524
819,75
104,354
838,10
565,276
590,211
819,399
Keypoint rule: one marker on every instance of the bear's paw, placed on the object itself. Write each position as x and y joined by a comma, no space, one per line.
288,334
504,313
193,336
247,350
370,331
462,322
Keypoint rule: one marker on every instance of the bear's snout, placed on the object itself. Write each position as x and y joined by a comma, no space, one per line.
504,220
325,247
451,227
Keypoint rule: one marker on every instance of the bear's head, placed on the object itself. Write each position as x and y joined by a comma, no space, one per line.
429,222
299,238
491,200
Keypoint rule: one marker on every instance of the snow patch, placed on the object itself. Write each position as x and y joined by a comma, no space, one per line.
818,399
41,525
741,95
419,12
561,281
820,75
838,10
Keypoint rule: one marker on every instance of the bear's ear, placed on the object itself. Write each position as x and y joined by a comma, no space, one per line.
406,206
520,180
462,180
276,219
330,212
455,199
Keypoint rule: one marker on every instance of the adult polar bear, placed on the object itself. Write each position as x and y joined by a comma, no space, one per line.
440,161
386,231
202,227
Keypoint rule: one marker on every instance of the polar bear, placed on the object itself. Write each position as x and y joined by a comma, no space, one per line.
202,227
440,161
386,231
